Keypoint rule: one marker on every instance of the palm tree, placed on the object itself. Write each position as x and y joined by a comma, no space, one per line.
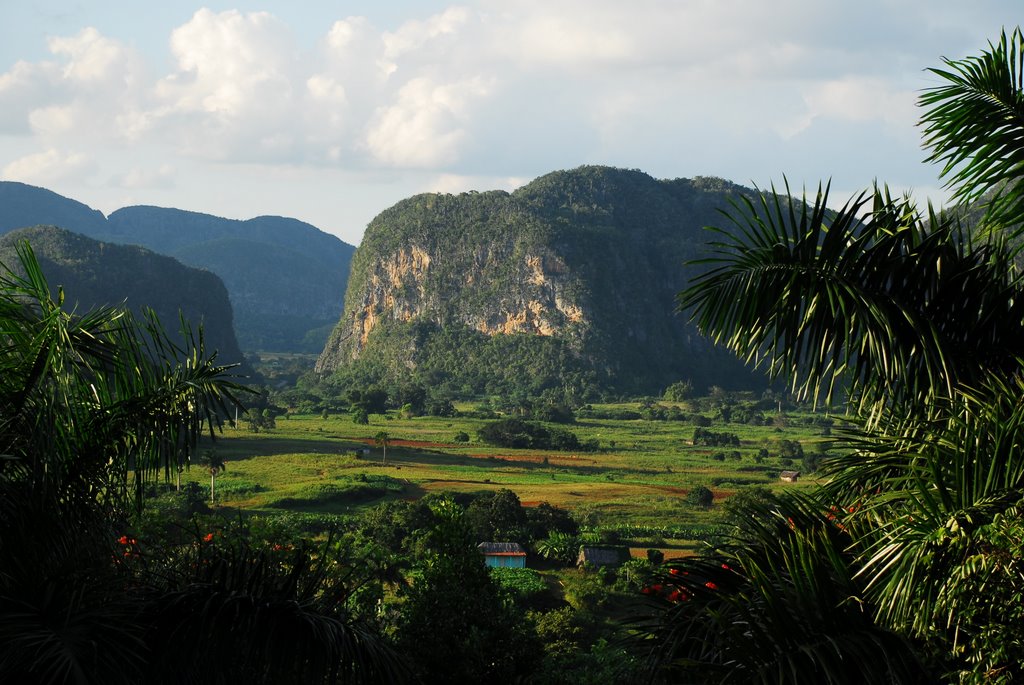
381,438
561,547
93,408
907,563
214,464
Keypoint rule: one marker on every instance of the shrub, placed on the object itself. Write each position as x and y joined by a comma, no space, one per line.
522,582
700,497
517,433
237,487
708,438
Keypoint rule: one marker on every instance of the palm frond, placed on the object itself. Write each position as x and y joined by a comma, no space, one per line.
273,617
938,502
974,126
101,397
781,603
884,307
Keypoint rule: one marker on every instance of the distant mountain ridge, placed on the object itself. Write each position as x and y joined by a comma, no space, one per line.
93,273
578,271
286,278
22,206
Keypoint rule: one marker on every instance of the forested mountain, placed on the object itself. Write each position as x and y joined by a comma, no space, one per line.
23,205
94,273
567,282
286,279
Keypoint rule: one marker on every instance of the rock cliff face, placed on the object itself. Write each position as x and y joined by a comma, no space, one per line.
592,258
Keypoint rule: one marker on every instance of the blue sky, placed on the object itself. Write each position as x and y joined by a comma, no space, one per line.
331,112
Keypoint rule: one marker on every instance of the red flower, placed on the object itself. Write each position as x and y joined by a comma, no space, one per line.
123,539
679,596
208,537
726,567
710,585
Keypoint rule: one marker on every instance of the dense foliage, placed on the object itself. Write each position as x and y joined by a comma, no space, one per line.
93,407
588,257
455,361
905,566
519,433
95,274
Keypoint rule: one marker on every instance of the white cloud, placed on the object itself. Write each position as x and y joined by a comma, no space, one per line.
90,80
858,100
52,121
229,64
92,59
48,167
457,183
326,89
162,177
414,35
233,93
425,125
22,88
471,93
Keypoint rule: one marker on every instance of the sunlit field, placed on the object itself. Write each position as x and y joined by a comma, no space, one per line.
637,479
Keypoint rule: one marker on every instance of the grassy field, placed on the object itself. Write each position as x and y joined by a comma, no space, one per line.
639,477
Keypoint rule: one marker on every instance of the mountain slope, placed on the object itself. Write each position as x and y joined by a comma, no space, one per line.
94,273
578,268
22,205
286,278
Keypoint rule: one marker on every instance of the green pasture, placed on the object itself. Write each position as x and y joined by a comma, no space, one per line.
639,476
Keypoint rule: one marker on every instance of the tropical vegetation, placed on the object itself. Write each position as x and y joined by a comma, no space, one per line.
905,565
94,408
451,291
898,561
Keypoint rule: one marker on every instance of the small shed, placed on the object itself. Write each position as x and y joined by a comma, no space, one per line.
789,476
602,556
503,554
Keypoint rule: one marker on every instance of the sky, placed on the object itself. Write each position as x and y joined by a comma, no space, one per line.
332,111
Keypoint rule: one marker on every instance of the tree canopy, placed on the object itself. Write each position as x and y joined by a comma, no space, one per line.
905,565
93,408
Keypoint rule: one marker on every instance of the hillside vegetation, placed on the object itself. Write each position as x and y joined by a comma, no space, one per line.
96,274
285,278
567,283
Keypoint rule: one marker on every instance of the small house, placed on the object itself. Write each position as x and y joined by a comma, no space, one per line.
602,556
503,554
789,476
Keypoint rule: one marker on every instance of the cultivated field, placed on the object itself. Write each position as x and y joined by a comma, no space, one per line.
638,478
